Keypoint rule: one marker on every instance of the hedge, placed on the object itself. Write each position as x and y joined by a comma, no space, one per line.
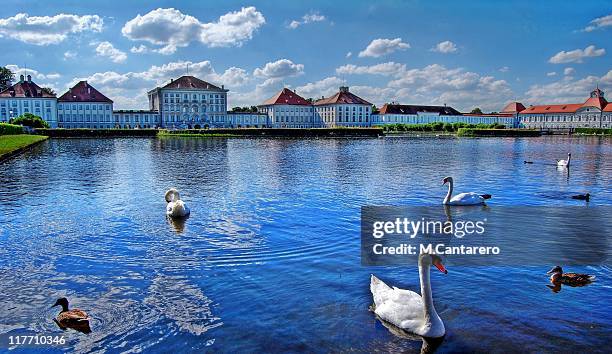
96,133
593,131
10,129
438,127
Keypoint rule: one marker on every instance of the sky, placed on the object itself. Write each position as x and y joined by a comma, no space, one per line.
461,53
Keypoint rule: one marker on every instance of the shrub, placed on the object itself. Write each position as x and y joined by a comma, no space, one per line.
10,129
30,120
593,131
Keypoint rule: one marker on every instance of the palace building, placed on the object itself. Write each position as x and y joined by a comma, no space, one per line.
82,106
344,109
189,102
287,109
595,112
26,97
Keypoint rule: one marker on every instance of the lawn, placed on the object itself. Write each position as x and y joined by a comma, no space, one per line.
10,143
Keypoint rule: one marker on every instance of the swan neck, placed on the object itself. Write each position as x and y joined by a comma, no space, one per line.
449,193
429,310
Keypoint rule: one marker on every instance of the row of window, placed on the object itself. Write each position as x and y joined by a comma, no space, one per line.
26,103
100,107
194,96
564,118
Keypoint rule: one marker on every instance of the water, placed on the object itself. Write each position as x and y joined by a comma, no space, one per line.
270,258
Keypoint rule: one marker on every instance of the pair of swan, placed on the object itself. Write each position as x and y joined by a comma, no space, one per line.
469,198
175,208
406,309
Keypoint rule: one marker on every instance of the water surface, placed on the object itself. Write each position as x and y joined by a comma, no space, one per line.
270,258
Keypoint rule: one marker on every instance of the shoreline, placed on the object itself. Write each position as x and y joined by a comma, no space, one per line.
19,148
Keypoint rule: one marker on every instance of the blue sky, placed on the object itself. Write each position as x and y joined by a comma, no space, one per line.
462,53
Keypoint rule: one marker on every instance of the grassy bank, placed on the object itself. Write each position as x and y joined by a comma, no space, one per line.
11,145
476,132
593,131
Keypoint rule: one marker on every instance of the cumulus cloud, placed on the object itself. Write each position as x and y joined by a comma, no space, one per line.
385,69
568,90
383,46
106,49
504,69
576,55
600,22
36,75
279,69
171,29
568,71
308,18
45,30
445,47
349,54
324,87
140,49
552,73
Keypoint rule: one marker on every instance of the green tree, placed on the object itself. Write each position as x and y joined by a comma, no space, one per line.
375,109
48,90
476,111
6,77
30,120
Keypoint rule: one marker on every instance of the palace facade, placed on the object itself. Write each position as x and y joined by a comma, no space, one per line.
82,106
26,97
189,102
595,112
343,109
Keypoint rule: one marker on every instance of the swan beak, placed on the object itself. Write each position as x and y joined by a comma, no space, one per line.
441,268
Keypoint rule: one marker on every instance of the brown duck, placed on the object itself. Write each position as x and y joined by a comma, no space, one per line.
75,318
571,279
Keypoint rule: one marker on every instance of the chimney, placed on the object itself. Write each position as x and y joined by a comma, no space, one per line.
88,90
21,78
222,87
343,88
29,78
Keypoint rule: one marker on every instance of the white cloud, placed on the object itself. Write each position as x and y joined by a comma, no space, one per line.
325,87
140,49
576,55
382,46
568,71
128,89
504,69
172,29
600,22
106,49
70,54
349,54
36,75
385,69
45,30
552,73
445,47
308,18
568,90
279,69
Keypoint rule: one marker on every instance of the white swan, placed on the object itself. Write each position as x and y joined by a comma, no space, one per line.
407,310
469,198
176,207
565,163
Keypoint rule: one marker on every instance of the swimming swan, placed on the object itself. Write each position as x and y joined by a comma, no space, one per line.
406,309
565,163
469,198
176,208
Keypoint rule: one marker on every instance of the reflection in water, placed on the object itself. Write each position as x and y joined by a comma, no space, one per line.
178,224
428,345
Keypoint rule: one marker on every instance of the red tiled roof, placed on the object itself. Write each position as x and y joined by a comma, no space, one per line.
191,82
25,89
513,107
83,92
608,108
342,97
553,108
286,96
598,102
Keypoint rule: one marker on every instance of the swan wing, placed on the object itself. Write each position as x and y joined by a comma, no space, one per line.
402,308
469,198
